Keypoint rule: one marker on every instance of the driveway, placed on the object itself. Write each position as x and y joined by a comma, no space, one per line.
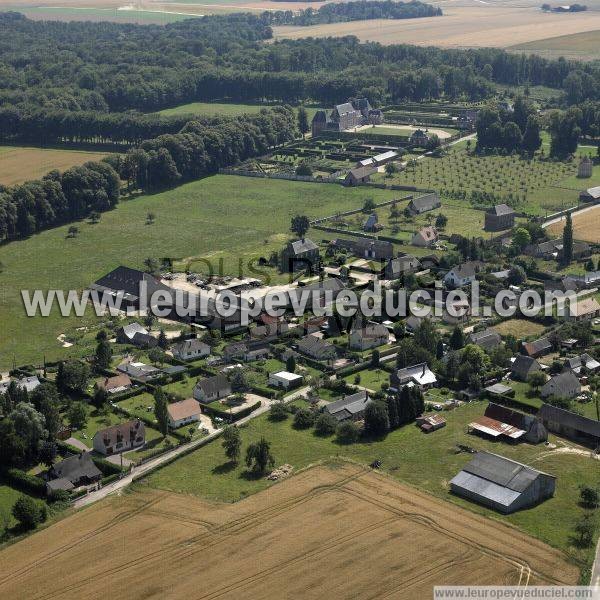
77,444
149,466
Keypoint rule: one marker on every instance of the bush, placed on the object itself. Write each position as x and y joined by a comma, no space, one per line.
347,432
278,412
29,512
25,482
303,419
325,424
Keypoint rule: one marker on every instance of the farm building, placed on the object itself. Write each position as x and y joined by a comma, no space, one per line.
359,175
285,380
583,310
499,218
552,249
212,388
425,203
378,160
183,412
135,334
500,422
502,484
316,348
299,255
372,224
487,339
347,115
425,237
563,385
429,423
585,168
349,407
366,248
120,438
570,425
582,364
537,348
590,195
139,370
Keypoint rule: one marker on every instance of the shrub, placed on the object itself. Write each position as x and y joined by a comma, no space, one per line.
278,412
325,424
303,419
29,512
347,432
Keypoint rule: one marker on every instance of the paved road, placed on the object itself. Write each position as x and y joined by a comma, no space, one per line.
577,211
595,578
167,456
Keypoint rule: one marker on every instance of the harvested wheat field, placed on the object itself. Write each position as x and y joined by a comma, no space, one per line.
478,25
586,225
19,164
339,531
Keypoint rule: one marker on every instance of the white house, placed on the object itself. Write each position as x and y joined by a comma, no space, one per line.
190,349
369,336
183,412
426,237
285,380
420,375
461,275
212,388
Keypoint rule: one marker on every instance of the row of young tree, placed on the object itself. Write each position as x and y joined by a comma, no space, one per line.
198,150
360,10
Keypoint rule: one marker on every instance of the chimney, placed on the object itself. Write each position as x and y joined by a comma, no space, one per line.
424,367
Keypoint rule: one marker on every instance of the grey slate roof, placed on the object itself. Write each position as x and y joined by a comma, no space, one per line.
303,245
425,203
193,345
583,360
523,366
349,406
566,418
500,210
75,468
315,346
486,339
212,385
563,385
537,346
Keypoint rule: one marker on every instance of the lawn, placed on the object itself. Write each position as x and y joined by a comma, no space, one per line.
8,497
427,462
370,378
222,219
96,422
223,109
520,328
19,164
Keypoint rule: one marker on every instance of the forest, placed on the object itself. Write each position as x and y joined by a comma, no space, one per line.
56,85
361,10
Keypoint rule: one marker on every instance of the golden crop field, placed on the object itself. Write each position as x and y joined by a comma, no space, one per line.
477,25
586,226
18,164
338,532
580,46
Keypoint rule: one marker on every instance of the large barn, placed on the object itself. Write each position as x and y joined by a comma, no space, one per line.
502,484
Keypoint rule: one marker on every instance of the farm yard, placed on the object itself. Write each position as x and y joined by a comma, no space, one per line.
254,222
293,533
19,164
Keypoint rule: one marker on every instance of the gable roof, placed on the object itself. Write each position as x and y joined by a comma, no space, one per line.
500,210
425,203
127,280
562,385
183,409
588,306
523,365
302,245
118,381
373,330
420,374
537,346
371,221
348,406
311,344
212,385
360,172
586,361
76,467
465,270
127,431
486,339
193,345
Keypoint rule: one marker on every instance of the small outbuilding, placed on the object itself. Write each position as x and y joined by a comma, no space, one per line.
285,380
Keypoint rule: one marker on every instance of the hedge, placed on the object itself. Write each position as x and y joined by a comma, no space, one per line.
110,478
106,467
25,482
223,414
67,448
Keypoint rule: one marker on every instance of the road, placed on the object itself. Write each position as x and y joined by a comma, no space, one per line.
595,578
171,454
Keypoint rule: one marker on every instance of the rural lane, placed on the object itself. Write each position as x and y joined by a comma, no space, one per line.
149,466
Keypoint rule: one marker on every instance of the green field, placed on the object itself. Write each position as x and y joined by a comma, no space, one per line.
220,218
225,109
8,497
426,461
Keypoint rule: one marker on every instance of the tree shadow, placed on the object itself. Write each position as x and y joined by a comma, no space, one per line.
251,475
224,468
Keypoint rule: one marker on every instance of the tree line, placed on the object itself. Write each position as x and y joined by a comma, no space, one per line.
360,10
199,149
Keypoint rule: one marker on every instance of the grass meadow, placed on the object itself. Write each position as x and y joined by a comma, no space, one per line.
224,109
222,219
